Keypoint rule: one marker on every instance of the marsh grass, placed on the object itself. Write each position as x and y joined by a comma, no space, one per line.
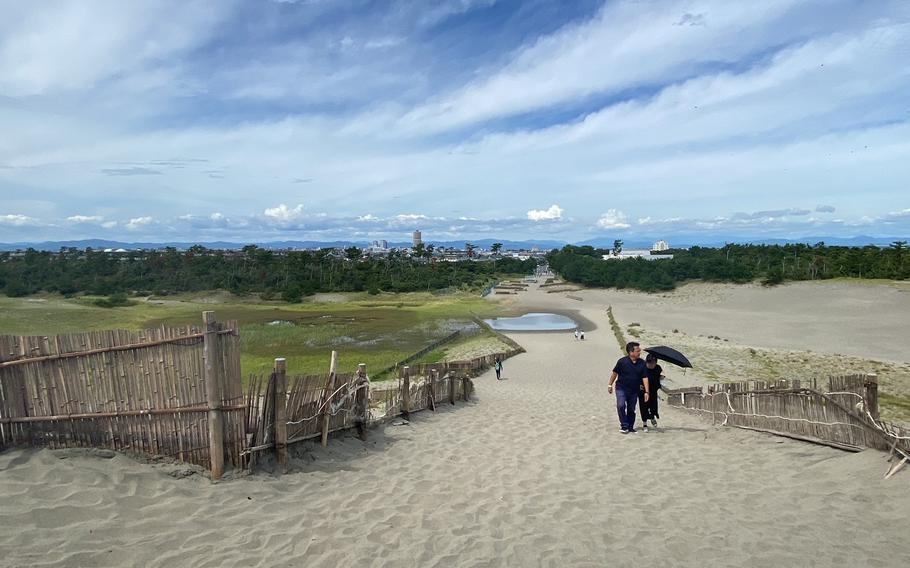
376,330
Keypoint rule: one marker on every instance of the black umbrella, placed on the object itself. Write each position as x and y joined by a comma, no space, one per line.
669,355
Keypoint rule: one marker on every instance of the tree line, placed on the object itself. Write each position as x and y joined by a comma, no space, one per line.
740,263
287,275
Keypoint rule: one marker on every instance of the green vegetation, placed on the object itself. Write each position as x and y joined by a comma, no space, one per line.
288,275
894,407
374,329
771,264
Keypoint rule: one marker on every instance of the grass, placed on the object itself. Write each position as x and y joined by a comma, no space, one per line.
376,330
894,408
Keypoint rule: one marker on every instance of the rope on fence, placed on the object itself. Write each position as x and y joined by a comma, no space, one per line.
872,420
335,408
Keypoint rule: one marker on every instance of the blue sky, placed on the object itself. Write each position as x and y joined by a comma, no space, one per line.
335,119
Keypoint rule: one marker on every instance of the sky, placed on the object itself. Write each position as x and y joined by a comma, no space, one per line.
261,120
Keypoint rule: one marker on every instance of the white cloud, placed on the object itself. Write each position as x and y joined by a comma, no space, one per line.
626,45
554,212
71,45
17,220
613,219
138,222
799,105
284,214
85,219
109,224
216,216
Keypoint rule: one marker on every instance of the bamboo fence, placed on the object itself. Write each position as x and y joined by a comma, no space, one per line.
842,412
152,392
281,412
177,392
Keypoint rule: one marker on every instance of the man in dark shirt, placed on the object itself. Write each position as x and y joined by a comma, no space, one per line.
629,374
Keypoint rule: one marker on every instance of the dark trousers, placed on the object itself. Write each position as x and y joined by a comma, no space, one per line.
625,407
648,409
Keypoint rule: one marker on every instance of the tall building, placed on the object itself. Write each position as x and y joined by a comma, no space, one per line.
417,238
660,245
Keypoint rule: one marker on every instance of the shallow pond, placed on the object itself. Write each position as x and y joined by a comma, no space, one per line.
533,322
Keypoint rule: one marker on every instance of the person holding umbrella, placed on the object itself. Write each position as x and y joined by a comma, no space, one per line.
655,374
630,375
649,407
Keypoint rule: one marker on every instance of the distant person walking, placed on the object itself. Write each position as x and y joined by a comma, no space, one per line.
576,335
497,366
581,335
629,375
652,385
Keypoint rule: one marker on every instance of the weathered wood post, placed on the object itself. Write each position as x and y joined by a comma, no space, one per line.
211,355
451,386
362,401
871,395
431,391
466,387
406,393
326,398
281,414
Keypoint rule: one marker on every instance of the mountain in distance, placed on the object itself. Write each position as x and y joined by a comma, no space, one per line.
679,241
100,244
717,241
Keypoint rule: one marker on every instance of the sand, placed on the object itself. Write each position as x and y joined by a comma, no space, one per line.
738,332
534,472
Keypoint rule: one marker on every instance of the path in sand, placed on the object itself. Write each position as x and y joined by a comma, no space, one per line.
534,472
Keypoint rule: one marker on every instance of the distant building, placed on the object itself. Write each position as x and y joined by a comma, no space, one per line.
418,239
381,244
660,245
645,254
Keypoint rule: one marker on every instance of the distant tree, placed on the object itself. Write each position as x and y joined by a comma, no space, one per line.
495,248
470,248
352,253
617,246
899,248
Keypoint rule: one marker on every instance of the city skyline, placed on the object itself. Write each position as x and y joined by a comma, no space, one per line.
240,121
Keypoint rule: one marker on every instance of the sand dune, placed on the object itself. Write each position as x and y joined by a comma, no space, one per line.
533,473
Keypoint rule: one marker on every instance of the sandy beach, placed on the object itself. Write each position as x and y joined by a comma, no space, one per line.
533,472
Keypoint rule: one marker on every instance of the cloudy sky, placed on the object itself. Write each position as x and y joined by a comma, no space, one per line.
323,119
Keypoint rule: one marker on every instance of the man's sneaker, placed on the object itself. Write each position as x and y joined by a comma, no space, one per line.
645,428
654,422
631,430
623,431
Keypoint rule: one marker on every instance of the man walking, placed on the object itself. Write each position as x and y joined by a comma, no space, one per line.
629,375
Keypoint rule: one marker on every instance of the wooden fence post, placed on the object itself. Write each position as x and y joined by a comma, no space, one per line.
406,393
451,387
214,370
362,401
431,391
281,415
326,398
871,395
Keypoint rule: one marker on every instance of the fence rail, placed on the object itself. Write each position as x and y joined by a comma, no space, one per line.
177,392
283,411
842,412
143,392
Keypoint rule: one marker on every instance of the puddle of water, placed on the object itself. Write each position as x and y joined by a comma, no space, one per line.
533,322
